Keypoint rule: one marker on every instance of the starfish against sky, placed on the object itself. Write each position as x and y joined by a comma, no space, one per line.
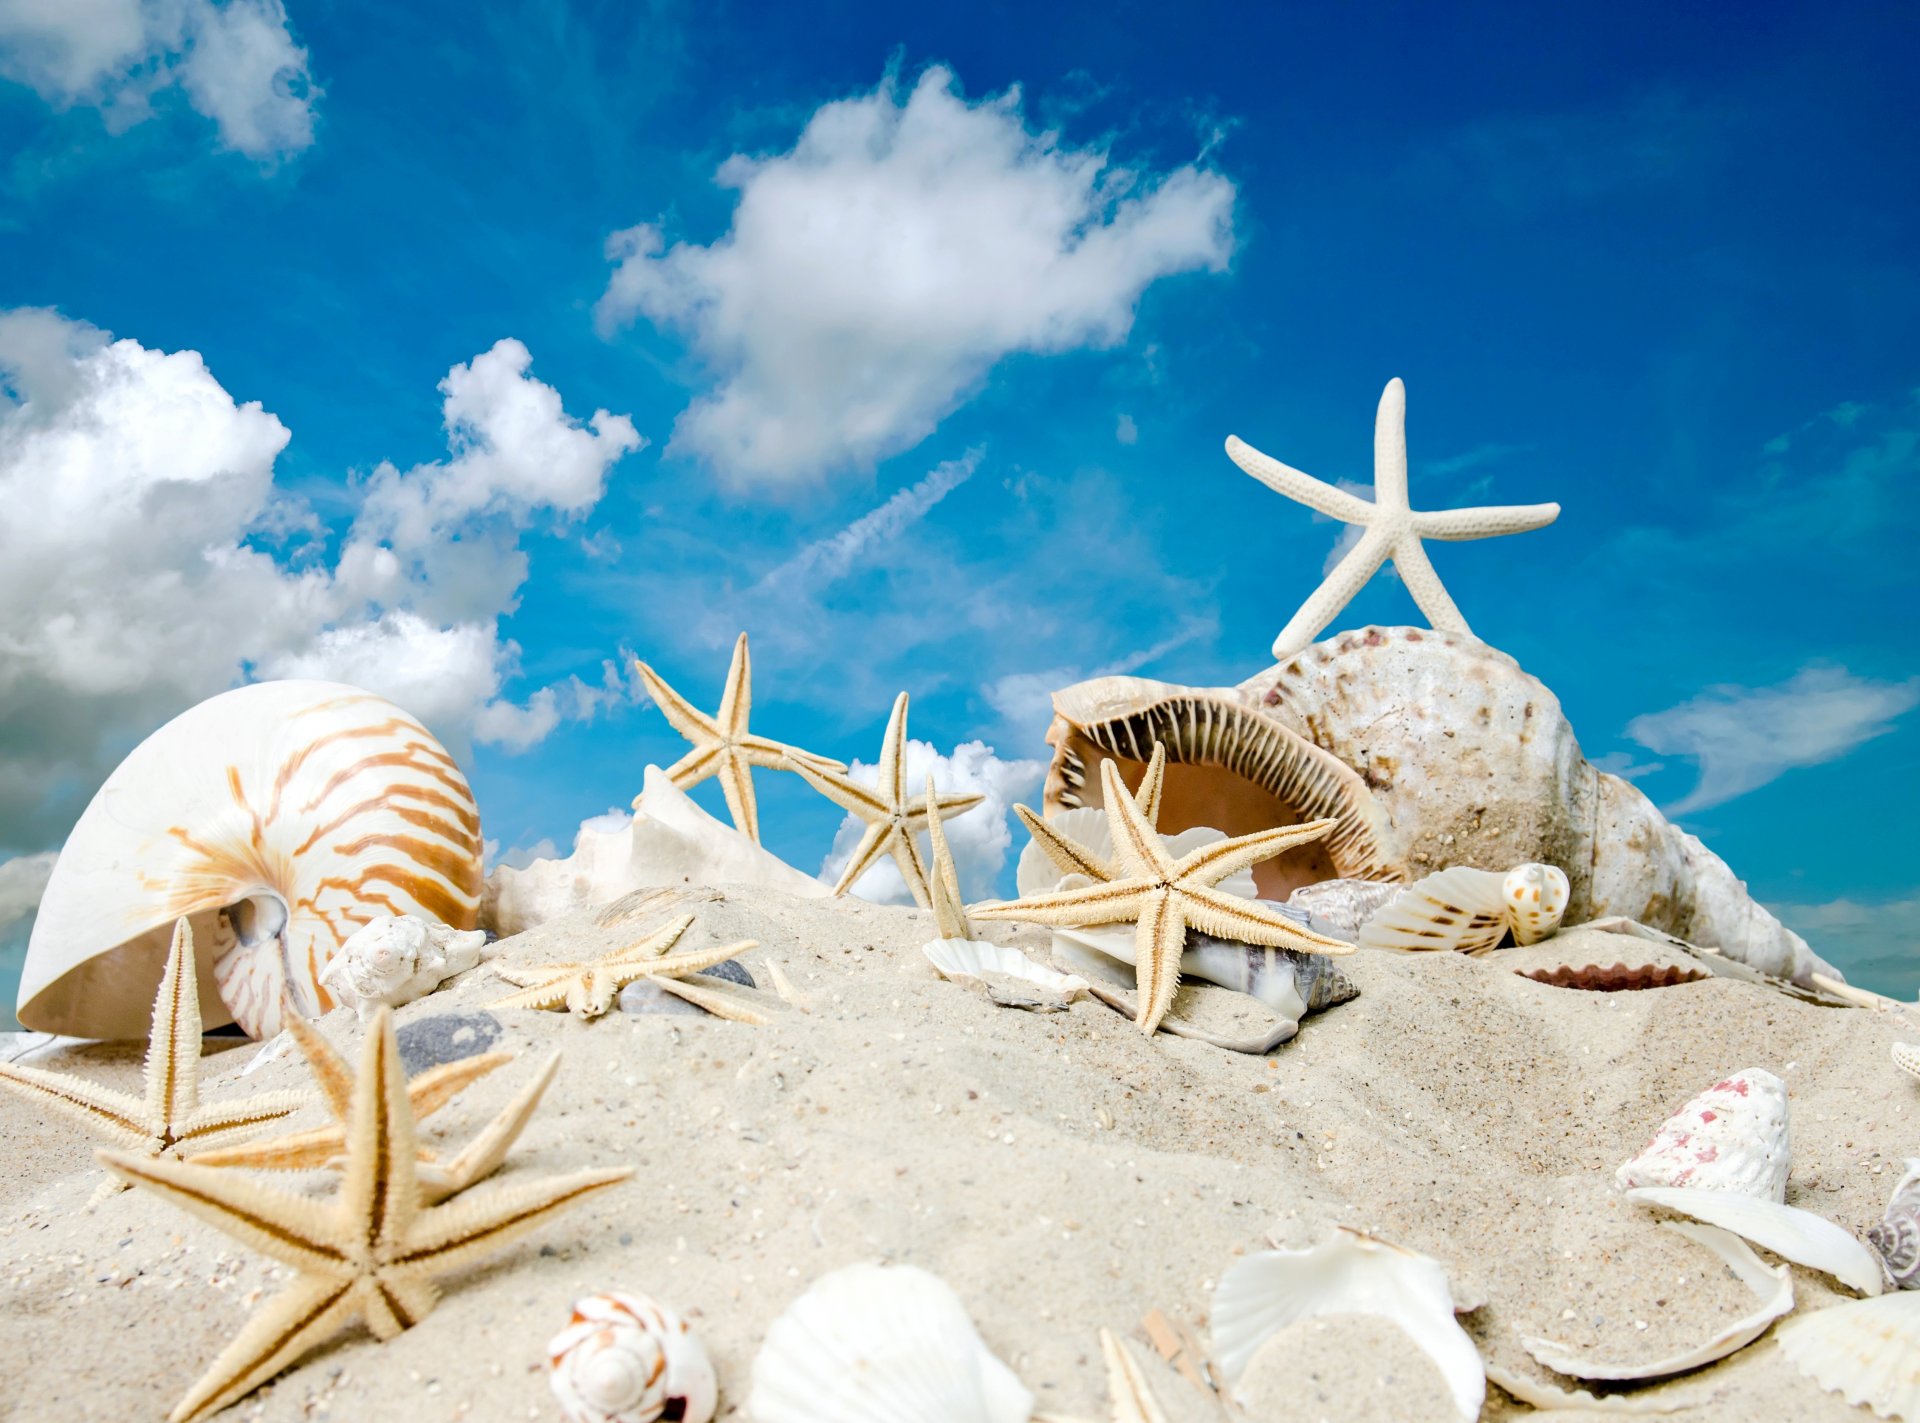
589,988
1163,896
1393,528
1072,858
943,884
892,819
722,746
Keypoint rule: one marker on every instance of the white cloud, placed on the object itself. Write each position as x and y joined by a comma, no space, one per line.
21,881
1626,765
1024,700
1125,431
877,271
1744,737
978,838
236,61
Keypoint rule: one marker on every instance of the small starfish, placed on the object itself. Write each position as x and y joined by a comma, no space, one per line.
1072,858
722,746
1393,528
892,819
171,1117
588,989
949,909
1130,1398
373,1250
1163,896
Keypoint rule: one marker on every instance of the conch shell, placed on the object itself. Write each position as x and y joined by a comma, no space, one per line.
1733,1137
277,818
397,958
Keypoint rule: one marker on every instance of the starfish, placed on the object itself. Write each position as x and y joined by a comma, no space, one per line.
373,1250
1393,528
588,989
949,909
170,1117
1163,896
1130,1398
892,819
722,746
1073,858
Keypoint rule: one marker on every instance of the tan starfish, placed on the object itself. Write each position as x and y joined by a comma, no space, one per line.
722,745
170,1117
1072,858
1130,1398
949,908
588,989
373,1250
892,819
1163,896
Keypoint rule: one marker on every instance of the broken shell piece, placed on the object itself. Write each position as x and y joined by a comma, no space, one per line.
1732,1137
623,1358
1897,1237
1536,898
881,1344
1906,1057
1547,1397
1292,984
1774,1288
1004,974
1789,1232
1470,910
397,958
1866,1350
1350,1274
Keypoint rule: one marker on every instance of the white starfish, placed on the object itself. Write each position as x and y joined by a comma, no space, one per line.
1393,528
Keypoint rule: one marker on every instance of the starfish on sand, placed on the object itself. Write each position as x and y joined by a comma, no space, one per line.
722,745
892,820
1393,528
588,989
1073,858
373,1250
1163,896
170,1118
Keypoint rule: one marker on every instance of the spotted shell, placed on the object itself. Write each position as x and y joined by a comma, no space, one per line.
1733,1137
278,818
623,1358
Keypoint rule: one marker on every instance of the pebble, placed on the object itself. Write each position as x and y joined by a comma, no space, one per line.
446,1037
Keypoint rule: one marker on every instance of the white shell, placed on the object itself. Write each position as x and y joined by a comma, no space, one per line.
1536,898
881,1344
1906,1057
1732,1137
1547,1397
1789,1232
397,958
1774,1288
1004,973
624,1358
1866,1350
1897,1238
1352,1273
1469,910
1338,907
278,818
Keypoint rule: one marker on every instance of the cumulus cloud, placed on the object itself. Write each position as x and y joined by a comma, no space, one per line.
979,838
1745,737
236,61
877,271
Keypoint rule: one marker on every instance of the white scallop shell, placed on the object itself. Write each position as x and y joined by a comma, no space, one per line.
1536,898
1896,1238
881,1344
624,1358
1867,1350
1007,975
277,818
1732,1137
1906,1057
397,958
1789,1232
1470,911
1261,1294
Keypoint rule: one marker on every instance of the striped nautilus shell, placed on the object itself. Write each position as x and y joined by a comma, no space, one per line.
278,818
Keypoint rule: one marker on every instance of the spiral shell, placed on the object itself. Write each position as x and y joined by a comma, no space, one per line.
1897,1237
624,1358
277,818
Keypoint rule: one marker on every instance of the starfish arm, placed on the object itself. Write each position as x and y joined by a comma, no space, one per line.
736,702
1116,902
483,1155
245,1115
294,1230
736,784
1228,916
296,1151
1157,943
1068,856
306,1313
1213,862
771,755
1137,847
395,1302
437,1086
905,846
1452,525
842,790
654,944
948,916
97,1108
694,767
694,960
893,755
1417,572
534,975
378,1187
1152,784
716,1001
873,841
329,1069
1301,488
1390,447
546,995
681,714
447,1237
1336,590
173,1043
916,811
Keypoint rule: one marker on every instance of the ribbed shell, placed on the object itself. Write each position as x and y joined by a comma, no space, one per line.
625,1358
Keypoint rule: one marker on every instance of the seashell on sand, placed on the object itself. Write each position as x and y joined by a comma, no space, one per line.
1906,1057
1338,907
878,1343
1291,984
1548,1397
623,1358
1004,974
1789,1232
1536,897
1469,911
397,958
277,818
1732,1137
1866,1350
1897,1237
1615,977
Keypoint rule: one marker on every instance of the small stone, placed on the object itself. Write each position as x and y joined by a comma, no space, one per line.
645,996
732,971
446,1037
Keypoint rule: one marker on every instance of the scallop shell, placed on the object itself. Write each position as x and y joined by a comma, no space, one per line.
397,958
1732,1137
1615,977
1906,1057
881,1344
278,818
1789,1232
623,1358
1352,1273
1867,1351
1897,1237
1007,976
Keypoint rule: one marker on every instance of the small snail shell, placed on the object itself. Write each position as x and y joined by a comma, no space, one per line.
1536,898
623,1358
277,818
397,958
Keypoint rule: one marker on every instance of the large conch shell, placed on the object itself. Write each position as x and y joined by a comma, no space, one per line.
1431,750
277,818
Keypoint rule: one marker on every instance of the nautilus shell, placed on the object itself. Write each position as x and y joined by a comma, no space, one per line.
278,818
624,1358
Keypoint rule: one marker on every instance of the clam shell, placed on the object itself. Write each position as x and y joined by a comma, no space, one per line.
277,818
1789,1232
881,1344
1897,1237
1008,976
624,1358
1866,1350
1733,1137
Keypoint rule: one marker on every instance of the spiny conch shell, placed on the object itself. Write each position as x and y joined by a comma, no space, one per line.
623,1358
881,1344
1004,974
1866,1350
1897,1237
1789,1232
1352,1273
1773,1287
277,818
1470,910
397,958
1732,1137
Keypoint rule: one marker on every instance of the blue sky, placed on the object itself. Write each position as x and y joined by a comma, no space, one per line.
913,339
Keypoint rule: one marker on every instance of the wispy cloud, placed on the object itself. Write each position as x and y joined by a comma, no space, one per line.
1024,700
829,559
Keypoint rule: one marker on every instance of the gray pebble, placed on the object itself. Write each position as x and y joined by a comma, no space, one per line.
446,1037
